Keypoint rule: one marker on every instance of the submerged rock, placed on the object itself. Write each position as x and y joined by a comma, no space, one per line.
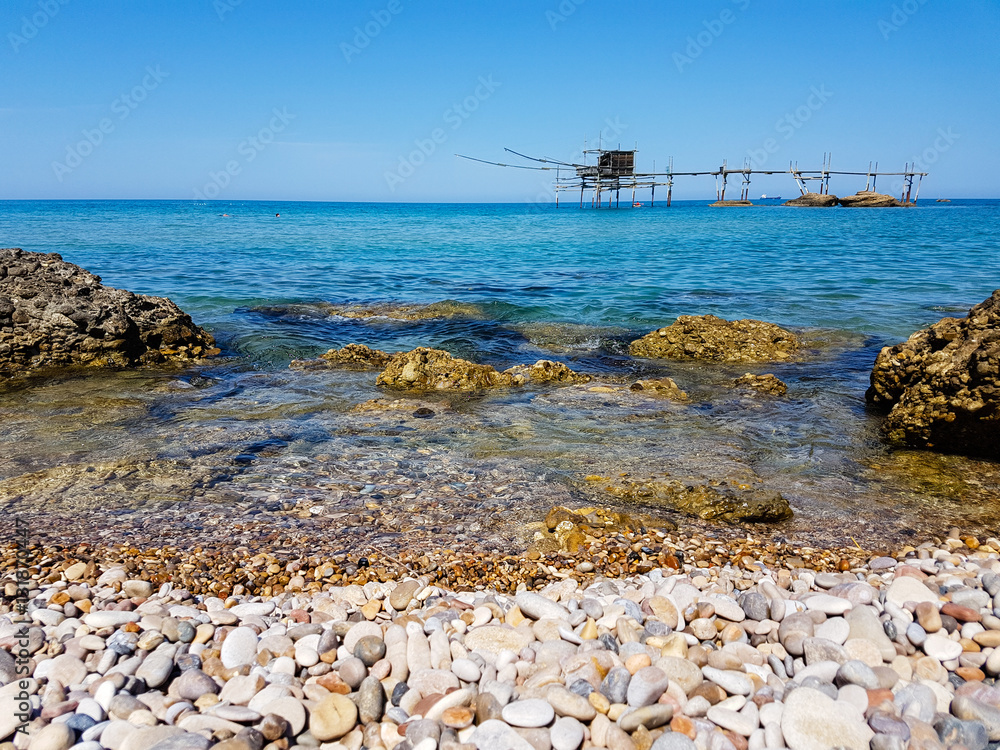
425,369
661,387
942,385
711,338
869,199
766,383
731,203
546,371
54,313
814,200
728,500
350,357
443,310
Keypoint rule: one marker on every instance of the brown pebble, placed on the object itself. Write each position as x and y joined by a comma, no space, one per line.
739,741
877,697
333,682
457,717
683,725
710,692
273,727
971,674
426,702
960,613
928,617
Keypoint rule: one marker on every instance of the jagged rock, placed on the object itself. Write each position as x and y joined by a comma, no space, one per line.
546,371
766,383
661,387
728,500
712,338
942,385
731,203
425,369
350,357
814,200
54,313
869,199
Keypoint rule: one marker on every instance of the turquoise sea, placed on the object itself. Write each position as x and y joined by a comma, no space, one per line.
527,282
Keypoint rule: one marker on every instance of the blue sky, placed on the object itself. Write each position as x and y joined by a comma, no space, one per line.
369,101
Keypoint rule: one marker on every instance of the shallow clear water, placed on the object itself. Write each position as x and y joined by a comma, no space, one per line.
534,282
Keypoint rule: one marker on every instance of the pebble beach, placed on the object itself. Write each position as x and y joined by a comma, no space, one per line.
758,650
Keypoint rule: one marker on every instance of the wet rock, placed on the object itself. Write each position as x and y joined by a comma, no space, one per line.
767,383
545,371
665,387
350,357
941,386
711,338
732,502
425,369
53,314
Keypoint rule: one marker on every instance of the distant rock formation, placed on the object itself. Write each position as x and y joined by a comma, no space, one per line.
425,369
711,338
53,313
731,203
350,357
869,199
813,200
942,385
767,383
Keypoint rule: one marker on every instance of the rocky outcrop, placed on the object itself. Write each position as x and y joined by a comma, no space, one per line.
731,501
665,387
53,314
766,383
814,200
942,385
545,371
425,369
350,357
869,199
730,203
711,338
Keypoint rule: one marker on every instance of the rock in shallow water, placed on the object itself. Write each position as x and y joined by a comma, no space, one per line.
711,338
942,385
53,313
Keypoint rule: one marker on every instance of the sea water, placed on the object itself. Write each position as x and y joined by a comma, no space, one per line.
271,280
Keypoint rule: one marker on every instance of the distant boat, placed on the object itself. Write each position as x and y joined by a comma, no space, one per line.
636,205
767,197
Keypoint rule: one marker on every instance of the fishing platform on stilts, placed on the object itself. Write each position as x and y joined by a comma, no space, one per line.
614,171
